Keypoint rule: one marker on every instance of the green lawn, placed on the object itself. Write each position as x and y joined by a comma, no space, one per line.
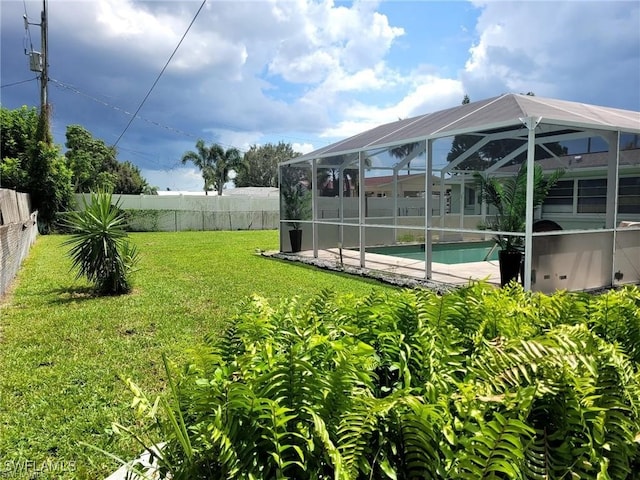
63,353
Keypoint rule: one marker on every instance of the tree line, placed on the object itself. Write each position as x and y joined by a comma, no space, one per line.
36,166
258,167
31,164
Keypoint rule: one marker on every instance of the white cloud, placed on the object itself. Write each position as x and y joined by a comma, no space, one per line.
311,67
147,34
373,78
428,94
181,178
370,43
239,139
255,48
348,128
228,68
302,147
568,50
322,38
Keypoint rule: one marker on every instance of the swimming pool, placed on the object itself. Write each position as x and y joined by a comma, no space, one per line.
448,253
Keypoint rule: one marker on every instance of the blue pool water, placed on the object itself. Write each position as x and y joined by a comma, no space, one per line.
448,253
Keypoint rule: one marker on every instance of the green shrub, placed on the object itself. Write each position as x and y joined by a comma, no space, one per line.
478,383
410,238
100,248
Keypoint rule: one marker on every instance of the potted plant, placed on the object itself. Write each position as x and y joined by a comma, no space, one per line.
296,199
509,197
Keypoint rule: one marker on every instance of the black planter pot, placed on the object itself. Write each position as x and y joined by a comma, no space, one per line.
510,265
295,237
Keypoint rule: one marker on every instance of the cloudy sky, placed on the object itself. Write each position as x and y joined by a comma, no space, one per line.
306,72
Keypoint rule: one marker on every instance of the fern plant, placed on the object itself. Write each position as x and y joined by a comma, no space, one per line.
477,383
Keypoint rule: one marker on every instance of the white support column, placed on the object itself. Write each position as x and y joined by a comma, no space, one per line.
362,217
395,204
531,124
341,200
612,179
461,200
314,205
613,139
483,215
280,202
443,203
428,189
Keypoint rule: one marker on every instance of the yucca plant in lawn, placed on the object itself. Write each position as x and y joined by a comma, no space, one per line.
480,383
100,247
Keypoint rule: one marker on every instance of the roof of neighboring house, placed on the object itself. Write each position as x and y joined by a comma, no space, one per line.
251,192
504,112
174,193
583,161
372,182
228,192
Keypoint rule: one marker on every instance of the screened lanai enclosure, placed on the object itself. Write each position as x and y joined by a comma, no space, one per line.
417,197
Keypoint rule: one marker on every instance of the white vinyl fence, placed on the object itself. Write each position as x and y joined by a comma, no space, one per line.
157,213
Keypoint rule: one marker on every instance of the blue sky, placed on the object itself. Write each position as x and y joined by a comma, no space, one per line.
304,72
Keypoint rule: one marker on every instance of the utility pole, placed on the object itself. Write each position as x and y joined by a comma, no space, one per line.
39,62
44,77
45,131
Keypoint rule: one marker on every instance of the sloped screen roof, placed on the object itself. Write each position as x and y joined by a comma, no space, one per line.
505,111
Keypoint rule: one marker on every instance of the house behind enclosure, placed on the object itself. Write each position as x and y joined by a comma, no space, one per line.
418,186
579,199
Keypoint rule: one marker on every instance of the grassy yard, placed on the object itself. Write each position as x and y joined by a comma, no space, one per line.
63,352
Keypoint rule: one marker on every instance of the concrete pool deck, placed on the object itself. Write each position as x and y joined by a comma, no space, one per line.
442,274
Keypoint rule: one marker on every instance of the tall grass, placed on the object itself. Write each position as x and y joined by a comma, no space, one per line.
64,352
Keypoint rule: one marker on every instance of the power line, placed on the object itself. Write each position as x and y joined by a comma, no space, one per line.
26,26
75,90
161,73
117,108
18,83
134,115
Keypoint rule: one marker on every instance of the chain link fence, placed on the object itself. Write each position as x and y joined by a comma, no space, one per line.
18,231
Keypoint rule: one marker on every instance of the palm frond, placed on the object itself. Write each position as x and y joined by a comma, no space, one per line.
509,197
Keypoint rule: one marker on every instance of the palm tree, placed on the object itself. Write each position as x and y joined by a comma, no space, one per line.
226,160
214,163
509,197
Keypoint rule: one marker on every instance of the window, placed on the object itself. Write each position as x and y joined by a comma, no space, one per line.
469,197
413,193
592,195
629,195
560,198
